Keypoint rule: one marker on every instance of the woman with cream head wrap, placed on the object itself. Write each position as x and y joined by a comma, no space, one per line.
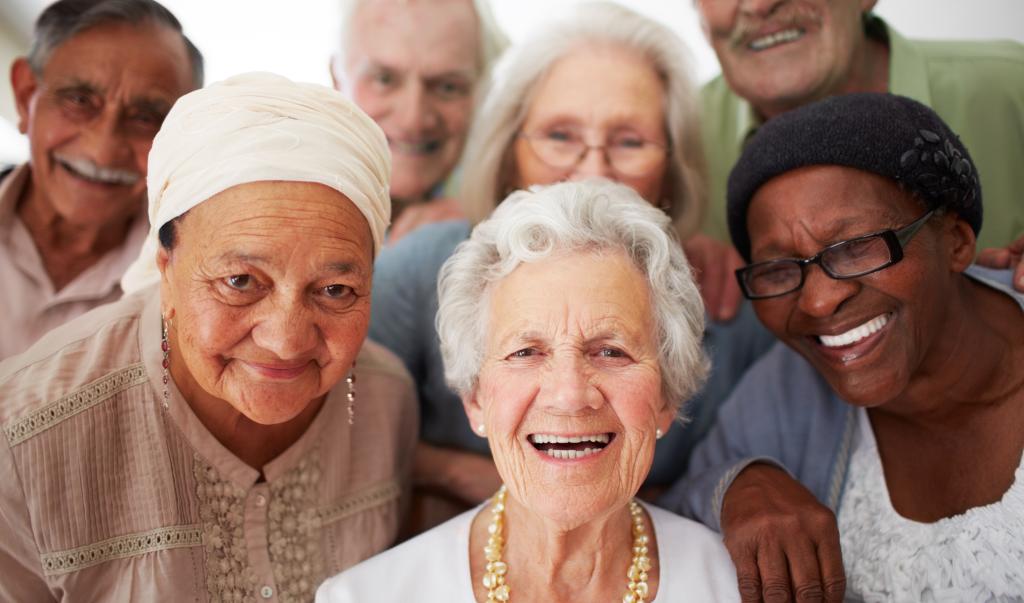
196,440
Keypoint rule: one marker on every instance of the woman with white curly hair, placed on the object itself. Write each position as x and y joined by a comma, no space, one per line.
571,327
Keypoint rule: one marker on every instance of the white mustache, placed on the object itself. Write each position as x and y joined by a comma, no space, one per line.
90,170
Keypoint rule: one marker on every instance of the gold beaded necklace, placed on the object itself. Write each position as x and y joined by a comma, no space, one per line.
496,569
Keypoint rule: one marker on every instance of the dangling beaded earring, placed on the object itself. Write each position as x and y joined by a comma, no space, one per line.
165,345
351,395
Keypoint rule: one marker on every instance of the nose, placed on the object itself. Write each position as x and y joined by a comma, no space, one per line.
287,329
593,164
414,112
761,8
821,296
567,386
105,141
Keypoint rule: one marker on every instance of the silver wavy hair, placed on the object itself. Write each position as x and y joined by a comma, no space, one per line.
488,162
593,216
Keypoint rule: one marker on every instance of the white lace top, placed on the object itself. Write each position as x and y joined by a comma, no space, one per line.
977,556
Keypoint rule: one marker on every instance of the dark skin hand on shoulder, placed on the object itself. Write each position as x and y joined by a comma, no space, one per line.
784,543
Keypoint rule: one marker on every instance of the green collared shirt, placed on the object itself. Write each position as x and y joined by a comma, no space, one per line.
976,87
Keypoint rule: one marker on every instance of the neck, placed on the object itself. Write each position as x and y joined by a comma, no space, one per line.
976,364
868,72
550,562
255,444
66,249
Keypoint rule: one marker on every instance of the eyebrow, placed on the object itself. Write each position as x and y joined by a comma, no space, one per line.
144,102
260,260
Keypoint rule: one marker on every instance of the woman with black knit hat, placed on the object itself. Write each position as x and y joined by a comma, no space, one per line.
898,399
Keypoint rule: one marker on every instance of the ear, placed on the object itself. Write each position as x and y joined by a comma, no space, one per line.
474,412
163,264
666,417
333,67
24,84
961,240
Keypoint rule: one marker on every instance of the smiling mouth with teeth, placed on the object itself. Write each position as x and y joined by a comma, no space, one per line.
570,447
774,39
855,334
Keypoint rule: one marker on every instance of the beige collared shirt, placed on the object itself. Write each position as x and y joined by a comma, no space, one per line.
29,306
105,495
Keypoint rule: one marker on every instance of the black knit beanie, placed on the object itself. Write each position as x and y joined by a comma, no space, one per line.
892,136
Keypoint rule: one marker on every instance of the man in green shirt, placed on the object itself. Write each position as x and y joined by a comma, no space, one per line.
780,54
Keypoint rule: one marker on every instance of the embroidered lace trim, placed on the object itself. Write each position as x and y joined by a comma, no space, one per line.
976,556
292,531
221,506
130,545
372,496
74,403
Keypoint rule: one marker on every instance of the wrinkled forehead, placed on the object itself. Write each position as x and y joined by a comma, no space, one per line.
442,34
828,202
146,57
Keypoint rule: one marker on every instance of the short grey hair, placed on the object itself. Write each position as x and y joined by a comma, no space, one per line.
64,19
491,41
488,161
592,216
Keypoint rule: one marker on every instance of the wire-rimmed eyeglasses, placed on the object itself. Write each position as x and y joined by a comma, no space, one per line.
627,154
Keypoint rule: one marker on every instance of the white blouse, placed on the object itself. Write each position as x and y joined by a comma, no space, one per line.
977,556
434,566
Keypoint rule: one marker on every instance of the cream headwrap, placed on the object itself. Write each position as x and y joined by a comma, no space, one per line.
258,127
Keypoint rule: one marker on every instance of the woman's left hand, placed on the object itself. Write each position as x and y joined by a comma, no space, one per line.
1011,256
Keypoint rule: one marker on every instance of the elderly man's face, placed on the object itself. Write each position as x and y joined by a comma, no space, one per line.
91,116
413,66
602,95
779,54
868,336
268,290
571,352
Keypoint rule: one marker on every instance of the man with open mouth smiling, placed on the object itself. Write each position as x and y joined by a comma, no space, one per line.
778,55
91,94
898,398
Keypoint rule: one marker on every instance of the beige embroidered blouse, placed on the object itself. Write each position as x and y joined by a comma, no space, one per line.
107,496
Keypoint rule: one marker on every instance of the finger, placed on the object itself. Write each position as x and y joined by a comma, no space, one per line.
774,569
1017,247
830,560
993,257
732,297
748,577
805,570
1018,274
711,283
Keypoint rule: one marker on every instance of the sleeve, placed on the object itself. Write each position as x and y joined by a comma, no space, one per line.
405,292
753,425
21,573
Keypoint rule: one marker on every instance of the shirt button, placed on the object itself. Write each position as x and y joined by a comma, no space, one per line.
266,592
260,502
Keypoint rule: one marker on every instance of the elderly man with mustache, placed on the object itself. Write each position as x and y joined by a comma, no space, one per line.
97,82
777,55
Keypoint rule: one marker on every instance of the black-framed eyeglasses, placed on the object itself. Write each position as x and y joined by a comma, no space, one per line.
843,260
627,154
